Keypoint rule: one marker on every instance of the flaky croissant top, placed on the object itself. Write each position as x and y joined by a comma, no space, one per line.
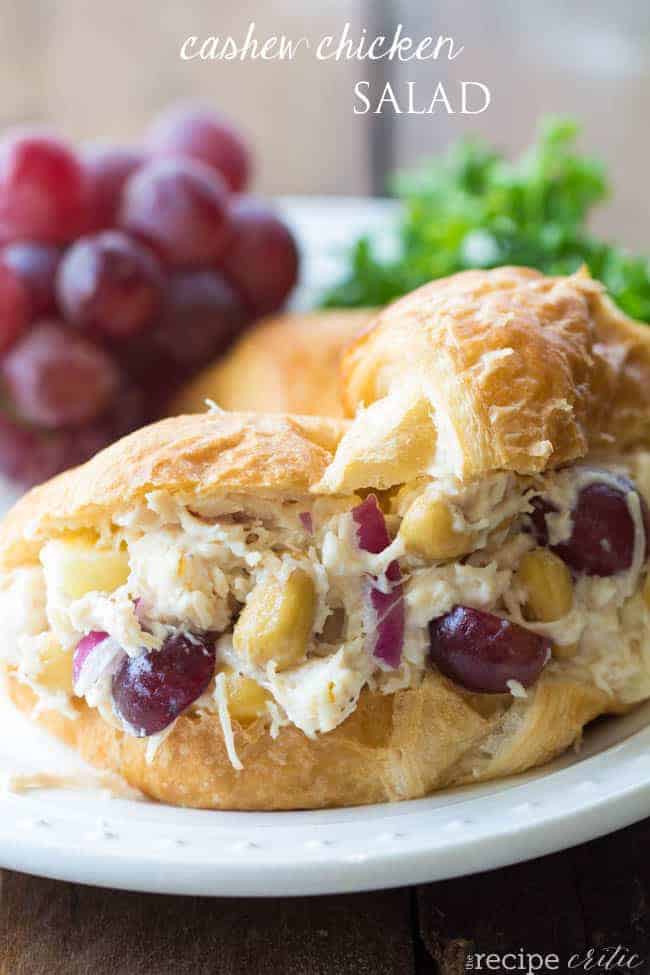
504,370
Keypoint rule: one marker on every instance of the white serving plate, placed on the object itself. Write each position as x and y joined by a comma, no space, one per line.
85,836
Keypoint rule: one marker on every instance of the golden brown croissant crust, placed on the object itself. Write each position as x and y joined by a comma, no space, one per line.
393,747
188,455
529,371
287,364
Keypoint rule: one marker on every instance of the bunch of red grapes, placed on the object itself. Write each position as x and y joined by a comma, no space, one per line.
122,272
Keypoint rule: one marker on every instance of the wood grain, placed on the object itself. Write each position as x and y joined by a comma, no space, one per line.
532,905
593,896
613,885
53,928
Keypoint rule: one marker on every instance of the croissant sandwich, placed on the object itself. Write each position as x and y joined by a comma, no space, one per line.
286,364
247,611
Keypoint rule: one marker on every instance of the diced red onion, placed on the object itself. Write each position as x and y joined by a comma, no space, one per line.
138,609
371,526
83,650
307,521
388,607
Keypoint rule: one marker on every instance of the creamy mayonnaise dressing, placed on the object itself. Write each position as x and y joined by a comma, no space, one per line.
192,567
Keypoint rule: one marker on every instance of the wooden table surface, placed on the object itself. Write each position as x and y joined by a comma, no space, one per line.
593,896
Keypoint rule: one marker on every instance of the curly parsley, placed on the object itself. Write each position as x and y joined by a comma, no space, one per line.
472,208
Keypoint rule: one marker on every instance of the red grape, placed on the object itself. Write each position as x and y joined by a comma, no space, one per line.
482,652
30,456
152,370
22,456
107,169
602,536
56,378
202,134
110,284
262,257
14,307
41,189
125,413
36,266
180,207
150,691
202,315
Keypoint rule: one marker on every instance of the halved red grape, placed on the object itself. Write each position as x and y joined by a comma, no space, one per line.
109,284
262,257
482,652
56,378
205,135
150,691
41,189
36,266
202,315
14,307
106,170
602,536
180,207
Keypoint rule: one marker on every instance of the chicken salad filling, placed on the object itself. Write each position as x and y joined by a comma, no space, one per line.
283,611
